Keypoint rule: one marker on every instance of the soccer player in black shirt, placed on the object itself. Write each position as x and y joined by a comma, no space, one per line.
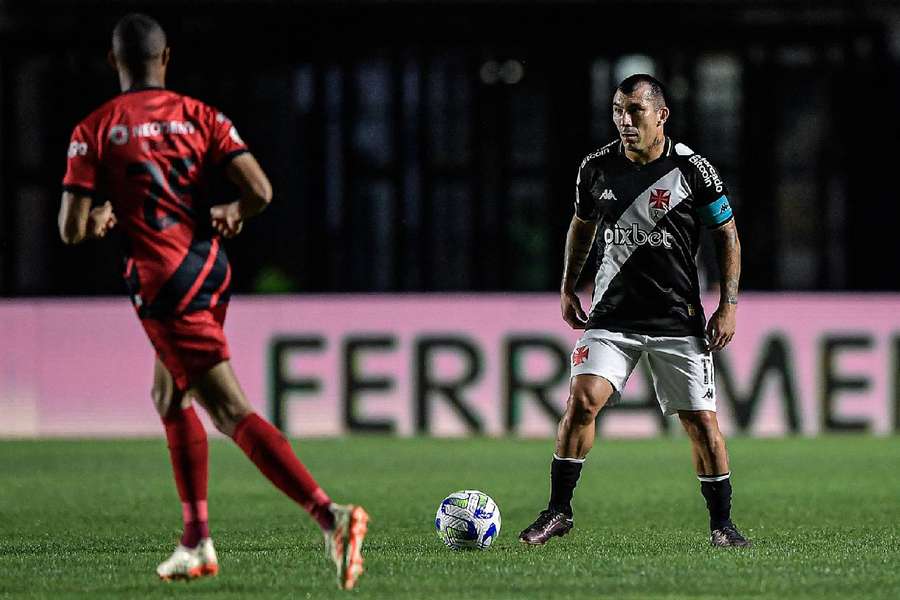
642,200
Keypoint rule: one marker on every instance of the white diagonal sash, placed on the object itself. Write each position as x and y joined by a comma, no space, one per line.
638,213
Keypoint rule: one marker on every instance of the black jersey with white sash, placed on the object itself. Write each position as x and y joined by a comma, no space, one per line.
648,230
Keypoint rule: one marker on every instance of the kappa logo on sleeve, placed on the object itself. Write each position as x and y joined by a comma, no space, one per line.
580,355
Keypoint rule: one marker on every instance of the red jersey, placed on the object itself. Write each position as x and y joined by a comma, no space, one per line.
151,152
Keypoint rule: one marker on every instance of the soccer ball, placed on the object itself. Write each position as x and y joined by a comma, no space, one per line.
468,520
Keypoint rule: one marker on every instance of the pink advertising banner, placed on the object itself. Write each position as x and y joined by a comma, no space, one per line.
445,365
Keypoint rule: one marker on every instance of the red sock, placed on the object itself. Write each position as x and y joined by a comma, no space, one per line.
189,452
272,454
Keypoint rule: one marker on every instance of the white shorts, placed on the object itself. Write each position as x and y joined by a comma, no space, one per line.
682,369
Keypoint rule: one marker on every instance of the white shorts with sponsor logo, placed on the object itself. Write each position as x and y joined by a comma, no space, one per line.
683,375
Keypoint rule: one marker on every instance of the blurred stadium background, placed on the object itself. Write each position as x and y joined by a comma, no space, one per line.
425,147
423,155
432,145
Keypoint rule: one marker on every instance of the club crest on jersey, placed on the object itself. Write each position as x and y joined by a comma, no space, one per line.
580,355
659,203
118,135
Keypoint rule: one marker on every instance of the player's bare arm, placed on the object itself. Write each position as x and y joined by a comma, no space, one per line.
723,322
578,247
78,221
256,194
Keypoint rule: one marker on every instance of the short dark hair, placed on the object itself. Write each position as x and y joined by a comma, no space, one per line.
138,39
658,92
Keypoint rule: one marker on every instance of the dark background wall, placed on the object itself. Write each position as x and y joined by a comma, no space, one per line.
419,146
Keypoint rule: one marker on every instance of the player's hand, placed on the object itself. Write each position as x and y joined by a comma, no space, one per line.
572,313
227,219
721,326
100,220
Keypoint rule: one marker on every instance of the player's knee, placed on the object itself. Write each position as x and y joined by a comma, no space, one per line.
706,422
226,415
163,399
702,426
583,406
587,396
222,424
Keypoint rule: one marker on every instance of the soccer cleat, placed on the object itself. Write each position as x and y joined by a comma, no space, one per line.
190,563
209,561
344,542
728,537
548,524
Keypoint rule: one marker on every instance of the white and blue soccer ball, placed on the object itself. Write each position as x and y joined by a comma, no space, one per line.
468,520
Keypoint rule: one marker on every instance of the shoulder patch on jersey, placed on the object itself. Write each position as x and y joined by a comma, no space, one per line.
682,150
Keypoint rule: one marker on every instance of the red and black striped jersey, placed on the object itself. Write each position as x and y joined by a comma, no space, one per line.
152,152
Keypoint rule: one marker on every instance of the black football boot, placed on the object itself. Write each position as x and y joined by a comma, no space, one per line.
549,523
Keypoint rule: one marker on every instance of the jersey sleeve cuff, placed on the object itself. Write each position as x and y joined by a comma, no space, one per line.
79,189
232,155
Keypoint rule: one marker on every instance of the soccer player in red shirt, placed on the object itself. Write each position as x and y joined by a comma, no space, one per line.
150,153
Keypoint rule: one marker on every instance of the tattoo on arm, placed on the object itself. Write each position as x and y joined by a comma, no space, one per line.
578,247
731,291
728,250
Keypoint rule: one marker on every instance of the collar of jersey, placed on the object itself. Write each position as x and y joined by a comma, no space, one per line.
670,145
134,90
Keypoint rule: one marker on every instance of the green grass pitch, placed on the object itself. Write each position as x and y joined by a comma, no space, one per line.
92,519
